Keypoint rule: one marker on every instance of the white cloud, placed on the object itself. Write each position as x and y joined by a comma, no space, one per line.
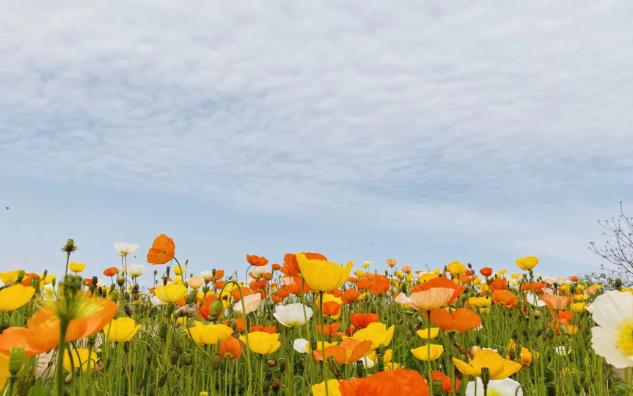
467,117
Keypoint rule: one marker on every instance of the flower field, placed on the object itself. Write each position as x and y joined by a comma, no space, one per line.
306,325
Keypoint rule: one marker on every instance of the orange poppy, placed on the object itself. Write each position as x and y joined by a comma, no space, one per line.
535,286
499,284
504,298
350,295
331,308
441,282
43,327
230,348
556,303
265,329
329,329
162,250
374,283
291,266
460,320
386,383
347,352
111,271
256,261
445,381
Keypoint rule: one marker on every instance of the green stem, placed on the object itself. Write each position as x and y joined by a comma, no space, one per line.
59,373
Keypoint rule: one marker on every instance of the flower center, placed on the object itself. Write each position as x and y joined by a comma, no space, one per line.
625,338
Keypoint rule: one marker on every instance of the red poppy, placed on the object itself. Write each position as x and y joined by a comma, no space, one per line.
486,271
362,320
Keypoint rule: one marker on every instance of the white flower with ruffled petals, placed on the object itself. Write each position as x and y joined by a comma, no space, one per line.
502,387
613,337
292,315
125,249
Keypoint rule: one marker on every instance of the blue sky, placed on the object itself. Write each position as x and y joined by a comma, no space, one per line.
479,132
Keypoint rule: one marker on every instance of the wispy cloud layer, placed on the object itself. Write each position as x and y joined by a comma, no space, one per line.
504,122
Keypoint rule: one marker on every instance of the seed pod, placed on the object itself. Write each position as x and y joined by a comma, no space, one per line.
271,363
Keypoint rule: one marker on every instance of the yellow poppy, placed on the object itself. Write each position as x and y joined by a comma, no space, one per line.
209,334
81,358
121,329
261,342
322,275
377,333
76,267
170,293
527,263
498,367
332,388
13,297
428,352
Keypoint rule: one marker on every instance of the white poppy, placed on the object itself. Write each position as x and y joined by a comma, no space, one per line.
155,300
613,337
292,315
300,345
251,302
207,275
124,248
135,270
503,387
533,300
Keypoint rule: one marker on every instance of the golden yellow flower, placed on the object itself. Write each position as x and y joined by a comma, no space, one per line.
578,307
427,334
209,334
13,297
479,302
322,275
377,333
527,263
262,342
76,266
498,367
81,358
332,388
121,329
9,276
170,293
428,352
456,268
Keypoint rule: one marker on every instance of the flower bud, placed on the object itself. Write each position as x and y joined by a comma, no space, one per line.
16,359
216,308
